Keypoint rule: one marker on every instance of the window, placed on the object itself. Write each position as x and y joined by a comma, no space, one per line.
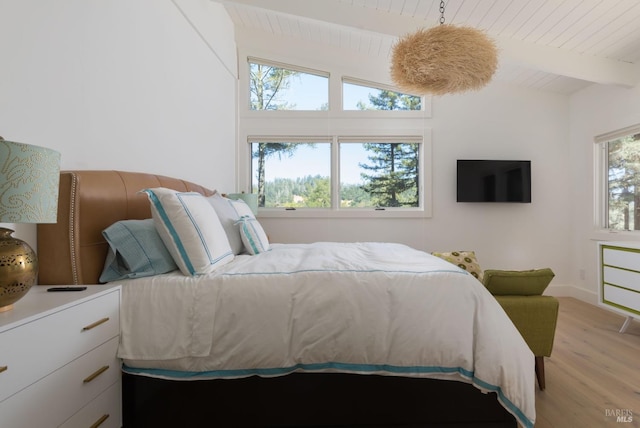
360,96
374,173
378,174
291,174
621,179
315,143
274,87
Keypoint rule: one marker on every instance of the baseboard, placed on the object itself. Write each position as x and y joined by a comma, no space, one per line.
573,291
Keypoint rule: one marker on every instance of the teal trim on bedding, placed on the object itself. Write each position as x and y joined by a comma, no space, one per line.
171,229
250,237
505,401
340,367
279,371
253,236
410,272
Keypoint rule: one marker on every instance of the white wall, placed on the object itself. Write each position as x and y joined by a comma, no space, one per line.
139,85
499,122
149,85
595,110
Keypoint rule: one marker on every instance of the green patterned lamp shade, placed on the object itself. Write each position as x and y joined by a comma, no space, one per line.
29,179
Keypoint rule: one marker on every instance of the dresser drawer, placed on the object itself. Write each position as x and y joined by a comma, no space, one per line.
103,412
35,349
621,257
629,300
58,396
621,277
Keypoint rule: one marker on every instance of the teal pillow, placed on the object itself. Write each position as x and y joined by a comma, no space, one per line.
135,250
517,282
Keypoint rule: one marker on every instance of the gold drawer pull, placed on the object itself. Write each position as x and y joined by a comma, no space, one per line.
95,374
4,369
99,422
95,324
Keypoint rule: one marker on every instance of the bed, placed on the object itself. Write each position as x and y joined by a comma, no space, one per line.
324,376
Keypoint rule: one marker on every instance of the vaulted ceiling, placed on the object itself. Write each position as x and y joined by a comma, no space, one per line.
554,45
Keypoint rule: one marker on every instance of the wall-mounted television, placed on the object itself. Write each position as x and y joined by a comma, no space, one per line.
493,180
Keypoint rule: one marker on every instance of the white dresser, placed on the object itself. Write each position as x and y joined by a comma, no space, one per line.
58,364
619,285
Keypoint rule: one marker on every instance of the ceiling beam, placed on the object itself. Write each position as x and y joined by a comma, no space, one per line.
569,64
542,58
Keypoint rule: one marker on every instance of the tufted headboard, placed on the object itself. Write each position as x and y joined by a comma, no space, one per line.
73,250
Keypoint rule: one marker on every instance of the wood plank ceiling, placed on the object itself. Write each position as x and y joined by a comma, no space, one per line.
553,45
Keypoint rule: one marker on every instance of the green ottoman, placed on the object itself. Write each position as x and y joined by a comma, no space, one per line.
535,316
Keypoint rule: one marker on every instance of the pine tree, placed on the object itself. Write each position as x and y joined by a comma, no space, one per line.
624,182
390,100
394,178
266,84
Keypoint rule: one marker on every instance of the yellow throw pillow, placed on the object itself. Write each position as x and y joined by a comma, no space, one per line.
464,260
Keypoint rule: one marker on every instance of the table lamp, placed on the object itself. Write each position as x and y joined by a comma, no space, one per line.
29,180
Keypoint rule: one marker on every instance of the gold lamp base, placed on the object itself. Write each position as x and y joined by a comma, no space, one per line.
18,269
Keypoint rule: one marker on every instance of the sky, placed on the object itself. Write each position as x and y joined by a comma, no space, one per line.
317,161
310,92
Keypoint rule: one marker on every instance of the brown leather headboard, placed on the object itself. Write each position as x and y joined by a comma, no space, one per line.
73,250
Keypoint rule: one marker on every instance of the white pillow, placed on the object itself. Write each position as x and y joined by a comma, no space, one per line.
190,229
229,212
253,236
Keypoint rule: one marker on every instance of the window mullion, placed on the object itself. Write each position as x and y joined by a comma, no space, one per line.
335,174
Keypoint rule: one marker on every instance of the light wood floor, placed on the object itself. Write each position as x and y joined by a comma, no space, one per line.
593,370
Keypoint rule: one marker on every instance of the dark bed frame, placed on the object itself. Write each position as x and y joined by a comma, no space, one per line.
310,400
73,251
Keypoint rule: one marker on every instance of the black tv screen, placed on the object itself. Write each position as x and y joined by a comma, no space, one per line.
494,181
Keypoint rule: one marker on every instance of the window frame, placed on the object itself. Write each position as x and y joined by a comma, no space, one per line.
287,139
380,86
601,191
334,122
335,96
424,210
402,139
269,63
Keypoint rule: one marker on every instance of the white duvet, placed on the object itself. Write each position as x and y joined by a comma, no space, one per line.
356,308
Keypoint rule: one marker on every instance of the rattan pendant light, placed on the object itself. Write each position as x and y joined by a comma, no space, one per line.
444,59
